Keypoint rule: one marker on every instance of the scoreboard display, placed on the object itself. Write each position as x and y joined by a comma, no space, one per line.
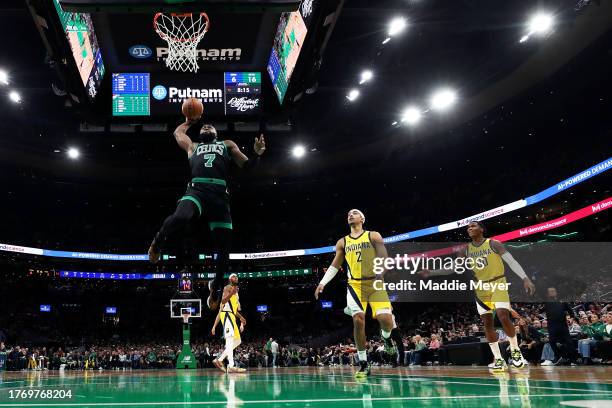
242,92
131,95
151,94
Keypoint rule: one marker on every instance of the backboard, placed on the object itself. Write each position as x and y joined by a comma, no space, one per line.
178,306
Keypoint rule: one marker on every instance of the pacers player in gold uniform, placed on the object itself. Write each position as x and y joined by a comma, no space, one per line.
359,249
229,312
491,290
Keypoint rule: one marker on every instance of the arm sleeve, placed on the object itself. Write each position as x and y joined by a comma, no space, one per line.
329,275
515,266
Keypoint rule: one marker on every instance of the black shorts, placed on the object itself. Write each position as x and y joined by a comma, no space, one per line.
212,203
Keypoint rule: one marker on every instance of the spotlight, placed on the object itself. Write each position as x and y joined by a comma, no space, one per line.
540,23
412,115
3,77
353,94
298,151
443,99
15,97
73,153
386,40
366,76
396,26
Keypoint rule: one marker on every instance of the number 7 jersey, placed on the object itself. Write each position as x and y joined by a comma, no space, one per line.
210,161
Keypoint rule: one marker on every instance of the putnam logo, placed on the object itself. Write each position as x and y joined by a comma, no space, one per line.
178,95
208,54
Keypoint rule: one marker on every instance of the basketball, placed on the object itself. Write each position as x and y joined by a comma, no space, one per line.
192,108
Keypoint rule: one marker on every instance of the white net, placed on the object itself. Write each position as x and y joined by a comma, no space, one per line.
182,32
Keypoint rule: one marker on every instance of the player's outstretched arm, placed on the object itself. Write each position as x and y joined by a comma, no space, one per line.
212,331
241,159
514,266
332,270
184,141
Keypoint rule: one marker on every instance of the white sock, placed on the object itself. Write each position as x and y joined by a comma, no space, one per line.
230,358
385,334
496,351
513,343
229,351
363,355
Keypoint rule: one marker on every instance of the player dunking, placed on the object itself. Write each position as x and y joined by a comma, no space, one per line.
359,249
207,194
228,312
493,253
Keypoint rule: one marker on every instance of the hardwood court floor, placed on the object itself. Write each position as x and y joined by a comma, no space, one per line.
313,387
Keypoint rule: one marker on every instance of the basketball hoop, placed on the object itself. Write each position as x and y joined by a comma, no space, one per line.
186,316
182,32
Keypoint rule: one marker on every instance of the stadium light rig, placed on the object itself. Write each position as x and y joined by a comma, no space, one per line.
298,151
412,115
15,97
443,99
540,24
3,77
73,153
353,95
396,26
366,76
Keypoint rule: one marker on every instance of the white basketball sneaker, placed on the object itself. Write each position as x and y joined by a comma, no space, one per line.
498,365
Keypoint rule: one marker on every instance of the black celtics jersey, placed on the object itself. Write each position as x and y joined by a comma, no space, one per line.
210,163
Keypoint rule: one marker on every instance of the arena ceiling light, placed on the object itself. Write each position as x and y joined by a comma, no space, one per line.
14,96
396,26
3,77
74,153
412,115
298,151
540,24
352,95
366,76
443,99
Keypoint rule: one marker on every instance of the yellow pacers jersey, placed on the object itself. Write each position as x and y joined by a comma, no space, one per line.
359,255
228,317
493,264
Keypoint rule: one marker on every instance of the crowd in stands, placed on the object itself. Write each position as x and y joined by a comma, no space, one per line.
590,328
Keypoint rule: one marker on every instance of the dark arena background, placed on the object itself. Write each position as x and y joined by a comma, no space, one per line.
441,123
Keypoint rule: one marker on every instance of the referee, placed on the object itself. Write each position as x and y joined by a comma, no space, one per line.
558,332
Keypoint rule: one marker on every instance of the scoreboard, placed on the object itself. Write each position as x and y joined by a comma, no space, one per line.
152,94
131,95
242,92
